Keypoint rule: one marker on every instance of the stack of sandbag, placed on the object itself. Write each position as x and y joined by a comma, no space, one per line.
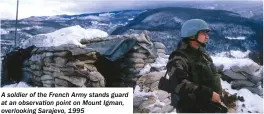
33,69
141,54
248,76
49,67
161,49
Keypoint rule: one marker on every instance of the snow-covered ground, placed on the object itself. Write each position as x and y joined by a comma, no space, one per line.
233,54
68,35
17,85
236,38
3,31
253,102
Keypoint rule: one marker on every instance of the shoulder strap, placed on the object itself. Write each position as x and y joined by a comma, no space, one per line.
178,52
171,58
166,73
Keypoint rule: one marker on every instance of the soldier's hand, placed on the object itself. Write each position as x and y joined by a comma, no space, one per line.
216,98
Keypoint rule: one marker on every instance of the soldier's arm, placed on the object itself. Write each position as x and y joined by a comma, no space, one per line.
182,86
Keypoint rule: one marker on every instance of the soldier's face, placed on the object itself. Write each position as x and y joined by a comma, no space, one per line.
203,36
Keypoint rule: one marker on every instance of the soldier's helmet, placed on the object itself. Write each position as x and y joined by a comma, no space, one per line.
192,27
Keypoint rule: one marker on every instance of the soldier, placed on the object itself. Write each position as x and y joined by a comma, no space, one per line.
193,76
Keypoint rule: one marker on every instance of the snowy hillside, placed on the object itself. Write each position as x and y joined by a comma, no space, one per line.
28,27
229,31
68,35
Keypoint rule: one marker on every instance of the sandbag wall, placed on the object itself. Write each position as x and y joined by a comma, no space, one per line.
143,53
244,76
73,66
57,67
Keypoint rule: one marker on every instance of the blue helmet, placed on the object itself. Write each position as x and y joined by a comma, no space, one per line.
192,27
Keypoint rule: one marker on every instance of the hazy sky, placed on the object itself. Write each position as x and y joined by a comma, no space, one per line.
29,8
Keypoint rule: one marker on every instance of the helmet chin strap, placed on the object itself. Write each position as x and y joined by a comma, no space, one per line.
196,39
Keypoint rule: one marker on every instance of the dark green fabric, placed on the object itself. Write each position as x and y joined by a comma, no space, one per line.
113,49
193,75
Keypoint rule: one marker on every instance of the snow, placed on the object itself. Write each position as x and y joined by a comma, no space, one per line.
239,54
130,19
6,42
29,28
106,14
90,17
236,38
139,93
17,85
229,62
210,7
68,35
3,31
233,54
176,19
253,102
153,17
160,62
145,70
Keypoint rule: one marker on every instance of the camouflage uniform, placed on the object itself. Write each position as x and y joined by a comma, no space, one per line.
193,77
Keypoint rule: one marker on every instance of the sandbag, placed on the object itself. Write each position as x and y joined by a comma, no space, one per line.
149,60
59,61
137,55
46,77
35,67
133,61
48,82
132,65
132,70
95,76
143,38
47,60
61,54
69,71
47,73
90,67
238,84
61,83
161,51
51,69
76,80
159,45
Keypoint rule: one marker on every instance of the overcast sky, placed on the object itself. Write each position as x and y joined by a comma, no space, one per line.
29,8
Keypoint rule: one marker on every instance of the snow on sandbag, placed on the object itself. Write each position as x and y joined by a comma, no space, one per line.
161,51
143,38
68,35
159,45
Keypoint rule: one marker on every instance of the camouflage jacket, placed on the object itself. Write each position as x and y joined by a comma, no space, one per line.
193,76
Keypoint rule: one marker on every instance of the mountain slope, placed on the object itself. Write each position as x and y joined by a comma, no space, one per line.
230,31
